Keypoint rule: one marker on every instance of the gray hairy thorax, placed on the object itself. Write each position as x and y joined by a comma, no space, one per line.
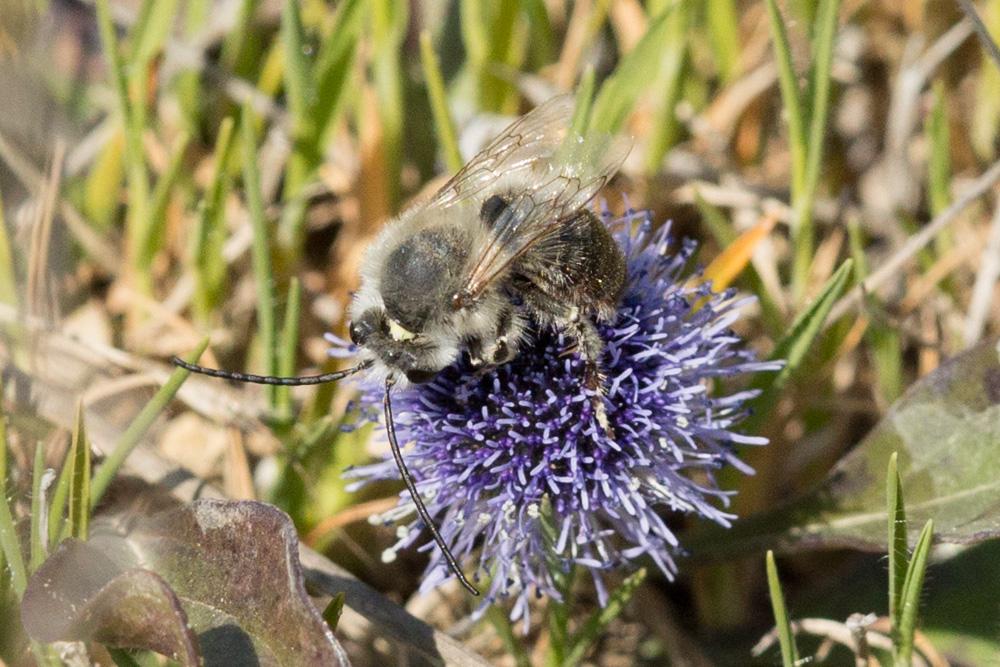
421,274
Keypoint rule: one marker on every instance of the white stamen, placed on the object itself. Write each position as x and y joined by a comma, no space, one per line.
388,555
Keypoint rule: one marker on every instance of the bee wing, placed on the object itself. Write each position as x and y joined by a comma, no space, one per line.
556,173
531,140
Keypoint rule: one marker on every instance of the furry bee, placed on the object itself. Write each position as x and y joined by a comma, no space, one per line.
508,243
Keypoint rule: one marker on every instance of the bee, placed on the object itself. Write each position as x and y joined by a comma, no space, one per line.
509,243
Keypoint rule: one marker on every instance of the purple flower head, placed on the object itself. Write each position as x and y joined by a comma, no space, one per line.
515,467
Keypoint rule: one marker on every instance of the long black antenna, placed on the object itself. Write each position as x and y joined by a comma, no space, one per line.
271,379
390,428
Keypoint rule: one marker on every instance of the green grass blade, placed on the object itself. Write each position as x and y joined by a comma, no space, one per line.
598,622
138,184
156,18
8,277
819,86
543,39
389,22
302,163
137,428
78,519
497,617
898,554
333,610
498,92
13,556
262,271
789,652
209,267
333,65
724,36
856,240
668,87
236,42
286,355
620,91
443,122
790,96
60,497
818,113
37,541
153,233
939,162
804,330
297,71
121,657
910,598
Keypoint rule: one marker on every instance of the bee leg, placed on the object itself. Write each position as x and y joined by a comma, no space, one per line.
590,345
500,348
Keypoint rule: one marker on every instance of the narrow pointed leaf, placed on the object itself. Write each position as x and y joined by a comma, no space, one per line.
898,554
79,488
910,598
598,622
789,652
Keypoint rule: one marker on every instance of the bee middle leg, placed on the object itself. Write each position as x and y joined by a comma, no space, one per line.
590,345
501,347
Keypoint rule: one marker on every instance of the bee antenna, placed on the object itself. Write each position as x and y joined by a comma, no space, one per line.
271,379
411,486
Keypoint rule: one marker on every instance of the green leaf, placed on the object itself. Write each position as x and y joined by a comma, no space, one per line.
789,652
793,348
633,75
215,579
79,485
946,430
898,554
333,610
910,598
593,628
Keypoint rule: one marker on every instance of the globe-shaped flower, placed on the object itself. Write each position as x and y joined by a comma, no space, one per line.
513,463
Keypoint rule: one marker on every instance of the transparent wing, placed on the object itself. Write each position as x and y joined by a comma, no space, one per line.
544,173
532,139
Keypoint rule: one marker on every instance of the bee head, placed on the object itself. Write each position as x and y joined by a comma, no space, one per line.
416,356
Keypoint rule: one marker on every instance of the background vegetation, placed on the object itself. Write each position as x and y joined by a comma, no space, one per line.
175,173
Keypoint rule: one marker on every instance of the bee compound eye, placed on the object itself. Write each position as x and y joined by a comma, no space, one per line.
361,328
419,376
